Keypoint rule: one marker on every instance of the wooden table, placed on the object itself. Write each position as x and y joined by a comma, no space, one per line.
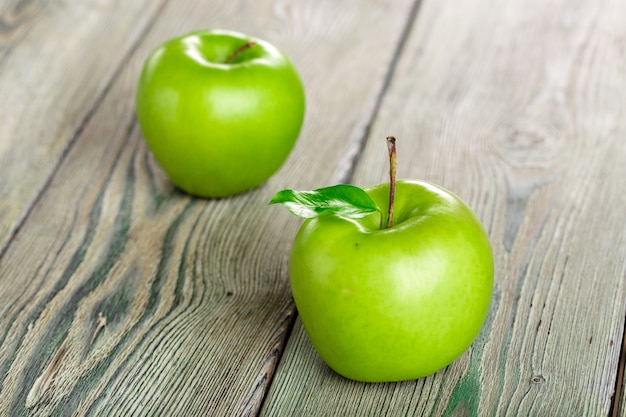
120,295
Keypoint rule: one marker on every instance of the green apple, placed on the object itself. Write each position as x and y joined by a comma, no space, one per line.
391,302
220,111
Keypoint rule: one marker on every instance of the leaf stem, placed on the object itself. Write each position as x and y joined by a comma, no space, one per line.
239,50
393,162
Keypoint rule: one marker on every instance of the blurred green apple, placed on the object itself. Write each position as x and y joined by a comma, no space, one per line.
220,111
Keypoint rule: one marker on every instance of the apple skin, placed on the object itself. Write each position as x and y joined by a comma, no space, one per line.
399,303
219,128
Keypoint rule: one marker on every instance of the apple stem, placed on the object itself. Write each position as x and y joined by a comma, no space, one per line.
239,50
393,162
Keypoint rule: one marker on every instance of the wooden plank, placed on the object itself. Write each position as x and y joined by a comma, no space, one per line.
44,46
520,111
121,295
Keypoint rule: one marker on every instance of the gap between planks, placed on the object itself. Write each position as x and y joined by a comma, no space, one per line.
618,405
346,166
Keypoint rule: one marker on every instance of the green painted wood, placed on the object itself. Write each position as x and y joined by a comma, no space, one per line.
121,295
518,108
55,64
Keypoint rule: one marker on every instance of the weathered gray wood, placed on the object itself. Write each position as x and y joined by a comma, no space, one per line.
122,296
56,61
518,107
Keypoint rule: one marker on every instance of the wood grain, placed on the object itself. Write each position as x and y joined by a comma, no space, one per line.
518,108
121,295
55,64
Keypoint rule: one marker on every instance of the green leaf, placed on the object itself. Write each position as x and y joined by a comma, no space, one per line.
343,200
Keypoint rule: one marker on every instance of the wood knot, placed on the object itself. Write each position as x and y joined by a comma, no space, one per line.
537,379
531,147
